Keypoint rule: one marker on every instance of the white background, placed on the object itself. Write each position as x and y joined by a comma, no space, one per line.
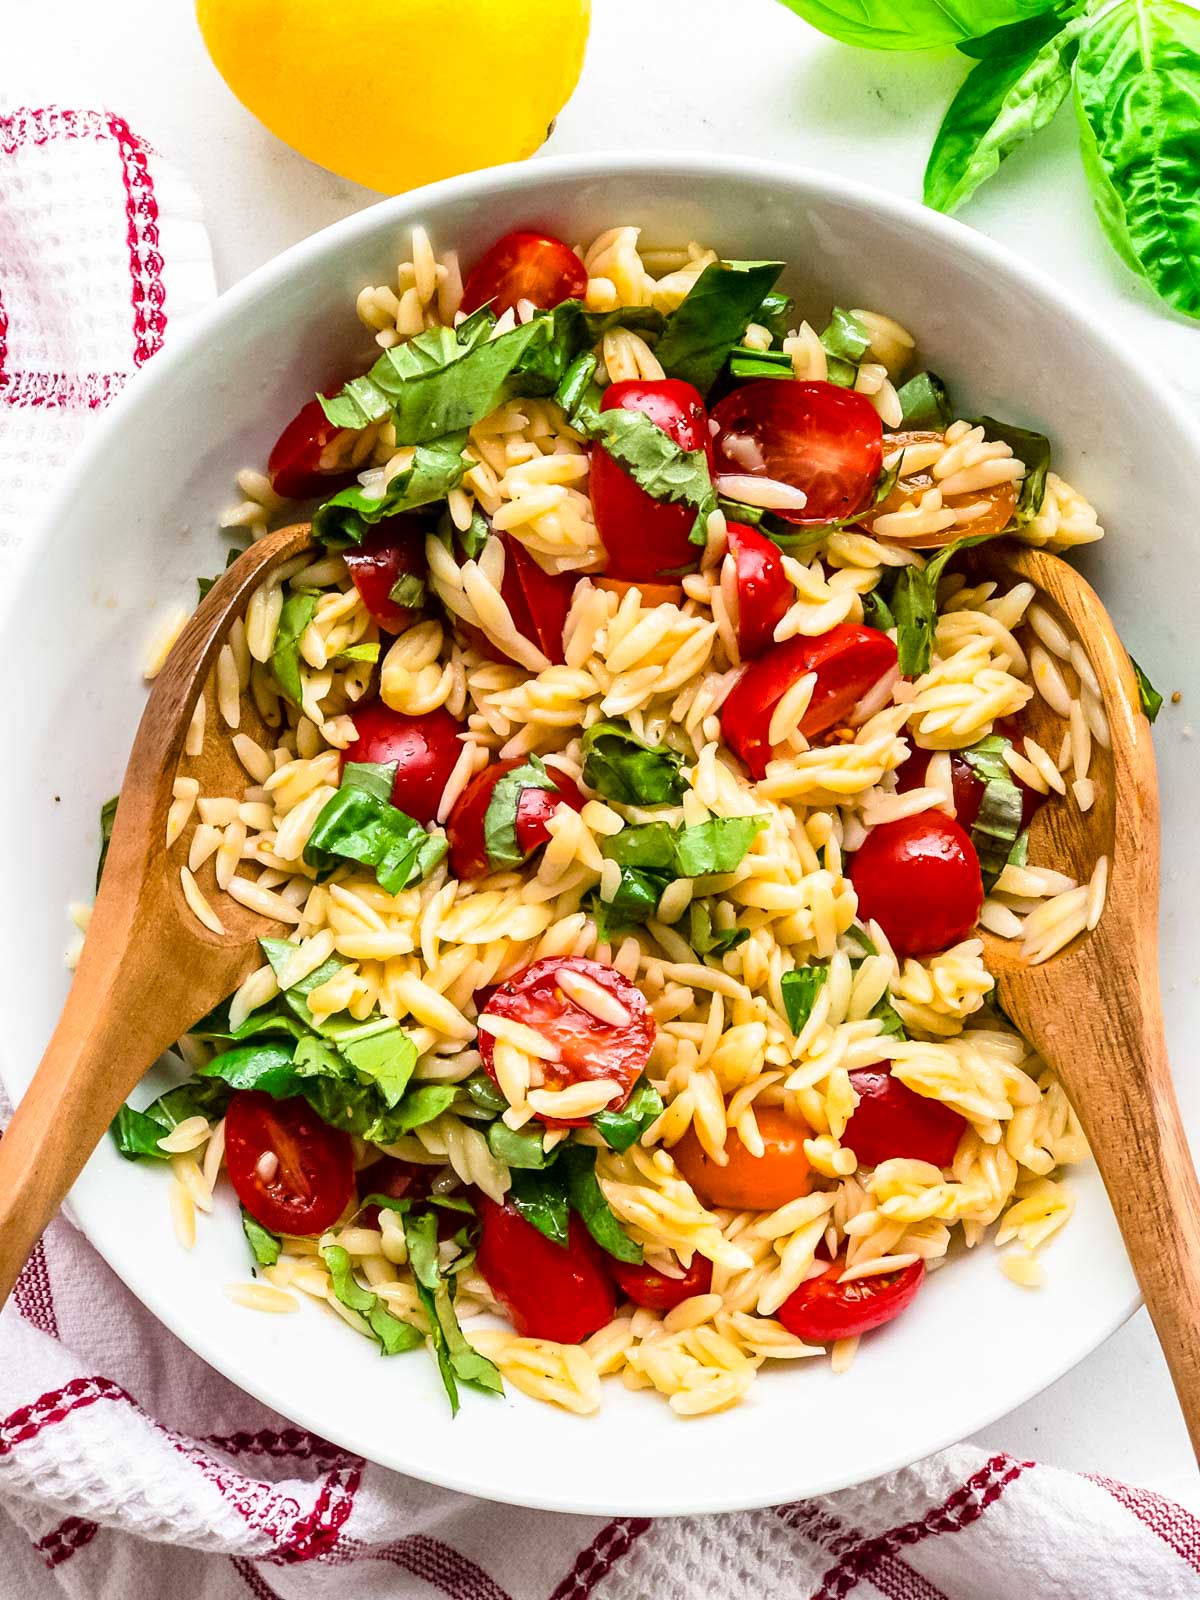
730,75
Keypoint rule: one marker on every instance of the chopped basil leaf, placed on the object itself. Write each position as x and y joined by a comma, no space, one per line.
924,404
359,652
408,590
231,555
913,603
1034,450
775,314
436,468
716,846
486,1094
393,1335
136,1133
542,1202
622,1128
519,1148
876,612
846,341
1148,695
653,854
785,534
500,818
1019,854
298,611
359,823
470,540
620,767
800,989
893,1023
707,939
264,1244
108,815
747,364
577,1163
268,1065
997,827
371,397
651,457
457,1360
634,902
715,314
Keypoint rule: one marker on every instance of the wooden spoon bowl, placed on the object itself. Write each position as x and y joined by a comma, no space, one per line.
149,969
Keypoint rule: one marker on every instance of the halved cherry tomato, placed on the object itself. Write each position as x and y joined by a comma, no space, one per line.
589,1047
763,591
893,1120
647,1287
748,1182
823,1309
919,879
967,784
525,266
310,1181
424,749
647,538
848,660
465,829
393,549
549,1291
537,601
294,465
816,437
412,1180
1000,501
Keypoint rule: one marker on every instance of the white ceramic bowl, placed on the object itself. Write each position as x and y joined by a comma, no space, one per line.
134,521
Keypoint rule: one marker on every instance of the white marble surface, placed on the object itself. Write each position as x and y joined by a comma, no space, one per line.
730,75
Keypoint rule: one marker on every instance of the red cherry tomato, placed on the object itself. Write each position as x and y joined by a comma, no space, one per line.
647,538
525,266
311,1181
589,1047
848,660
823,1309
548,1291
919,879
748,1182
763,592
393,549
537,601
465,831
814,436
424,749
294,465
412,1180
893,1120
967,784
647,1287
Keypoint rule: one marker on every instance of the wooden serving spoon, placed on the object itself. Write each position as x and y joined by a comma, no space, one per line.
148,970
1093,1011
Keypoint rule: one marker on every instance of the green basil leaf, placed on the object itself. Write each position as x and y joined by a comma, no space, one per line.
500,818
358,652
997,826
519,1148
268,1065
634,903
136,1133
775,314
486,1094
392,1334
359,823
1002,102
1034,450
712,319
577,1162
108,815
1137,86
745,365
1016,38
893,1023
649,845
436,468
911,24
457,1360
800,988
371,397
877,613
914,605
541,1199
715,846
1148,695
625,1127
408,590
924,403
846,341
620,767
264,1244
470,540
298,611
707,939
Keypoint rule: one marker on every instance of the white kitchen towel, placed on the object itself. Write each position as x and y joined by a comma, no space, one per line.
130,1470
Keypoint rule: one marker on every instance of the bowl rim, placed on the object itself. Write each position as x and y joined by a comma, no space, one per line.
515,179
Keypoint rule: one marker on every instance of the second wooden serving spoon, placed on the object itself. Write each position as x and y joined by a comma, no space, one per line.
1093,1010
148,969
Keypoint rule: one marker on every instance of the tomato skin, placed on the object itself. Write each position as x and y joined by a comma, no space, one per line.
823,1309
848,660
525,265
967,784
919,879
647,538
535,807
314,1181
393,549
537,601
817,437
590,1048
748,1182
763,591
294,463
646,1287
548,1292
892,1120
424,749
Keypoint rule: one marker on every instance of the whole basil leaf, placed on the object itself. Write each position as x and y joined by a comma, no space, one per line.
911,24
712,318
1137,98
1016,38
1002,102
371,397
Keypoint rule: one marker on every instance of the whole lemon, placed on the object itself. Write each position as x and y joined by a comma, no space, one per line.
396,93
